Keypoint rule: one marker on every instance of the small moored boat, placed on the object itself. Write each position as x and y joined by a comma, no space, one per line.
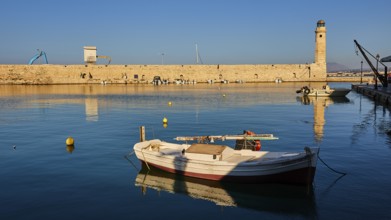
243,164
326,91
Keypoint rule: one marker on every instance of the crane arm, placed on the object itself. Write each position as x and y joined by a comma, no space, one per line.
34,58
383,79
105,57
37,56
44,56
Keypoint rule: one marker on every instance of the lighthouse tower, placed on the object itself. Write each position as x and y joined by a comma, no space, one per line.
320,43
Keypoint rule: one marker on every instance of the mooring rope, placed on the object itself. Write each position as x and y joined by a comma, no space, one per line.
336,171
127,158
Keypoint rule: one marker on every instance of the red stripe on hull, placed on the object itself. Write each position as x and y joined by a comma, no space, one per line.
301,176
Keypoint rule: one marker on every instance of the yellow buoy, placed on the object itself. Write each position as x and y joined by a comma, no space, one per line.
169,103
165,120
223,95
69,141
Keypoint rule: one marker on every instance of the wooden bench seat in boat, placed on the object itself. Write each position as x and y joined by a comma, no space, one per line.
211,149
208,152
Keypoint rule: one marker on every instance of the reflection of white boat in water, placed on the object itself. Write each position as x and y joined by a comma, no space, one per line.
276,198
306,100
222,163
326,91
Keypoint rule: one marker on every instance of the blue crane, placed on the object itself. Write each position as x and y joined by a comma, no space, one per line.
37,56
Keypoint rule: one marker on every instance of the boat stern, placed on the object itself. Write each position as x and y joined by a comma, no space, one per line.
312,154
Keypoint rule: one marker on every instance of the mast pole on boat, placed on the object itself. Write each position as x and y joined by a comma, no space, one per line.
197,55
228,137
142,133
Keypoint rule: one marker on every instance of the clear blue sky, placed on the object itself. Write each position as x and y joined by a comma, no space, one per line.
226,31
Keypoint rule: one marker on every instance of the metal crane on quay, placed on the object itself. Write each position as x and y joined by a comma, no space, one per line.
37,56
382,78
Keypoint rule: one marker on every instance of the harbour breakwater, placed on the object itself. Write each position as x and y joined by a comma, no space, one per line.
47,74
92,74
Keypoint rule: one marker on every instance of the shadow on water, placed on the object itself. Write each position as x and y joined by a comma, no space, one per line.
371,119
274,198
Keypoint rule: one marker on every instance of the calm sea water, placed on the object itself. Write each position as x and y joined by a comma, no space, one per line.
42,178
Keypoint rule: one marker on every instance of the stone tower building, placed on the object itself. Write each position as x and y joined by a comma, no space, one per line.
320,43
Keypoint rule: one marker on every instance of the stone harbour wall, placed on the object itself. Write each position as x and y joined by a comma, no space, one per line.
93,74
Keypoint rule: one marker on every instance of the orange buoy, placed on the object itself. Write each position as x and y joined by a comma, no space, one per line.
257,145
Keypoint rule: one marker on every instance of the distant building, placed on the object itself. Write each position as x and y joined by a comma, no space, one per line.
89,54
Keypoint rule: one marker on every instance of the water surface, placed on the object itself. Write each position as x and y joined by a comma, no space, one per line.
42,178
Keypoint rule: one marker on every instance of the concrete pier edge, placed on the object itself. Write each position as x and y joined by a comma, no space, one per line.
381,95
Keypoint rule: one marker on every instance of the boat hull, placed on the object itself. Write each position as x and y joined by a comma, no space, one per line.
300,176
329,93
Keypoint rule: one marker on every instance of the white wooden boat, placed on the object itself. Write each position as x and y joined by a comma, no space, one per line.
326,91
223,163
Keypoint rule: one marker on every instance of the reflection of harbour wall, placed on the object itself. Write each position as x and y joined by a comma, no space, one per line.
91,109
87,74
187,98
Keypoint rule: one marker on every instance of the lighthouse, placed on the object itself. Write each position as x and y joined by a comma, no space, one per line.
320,43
